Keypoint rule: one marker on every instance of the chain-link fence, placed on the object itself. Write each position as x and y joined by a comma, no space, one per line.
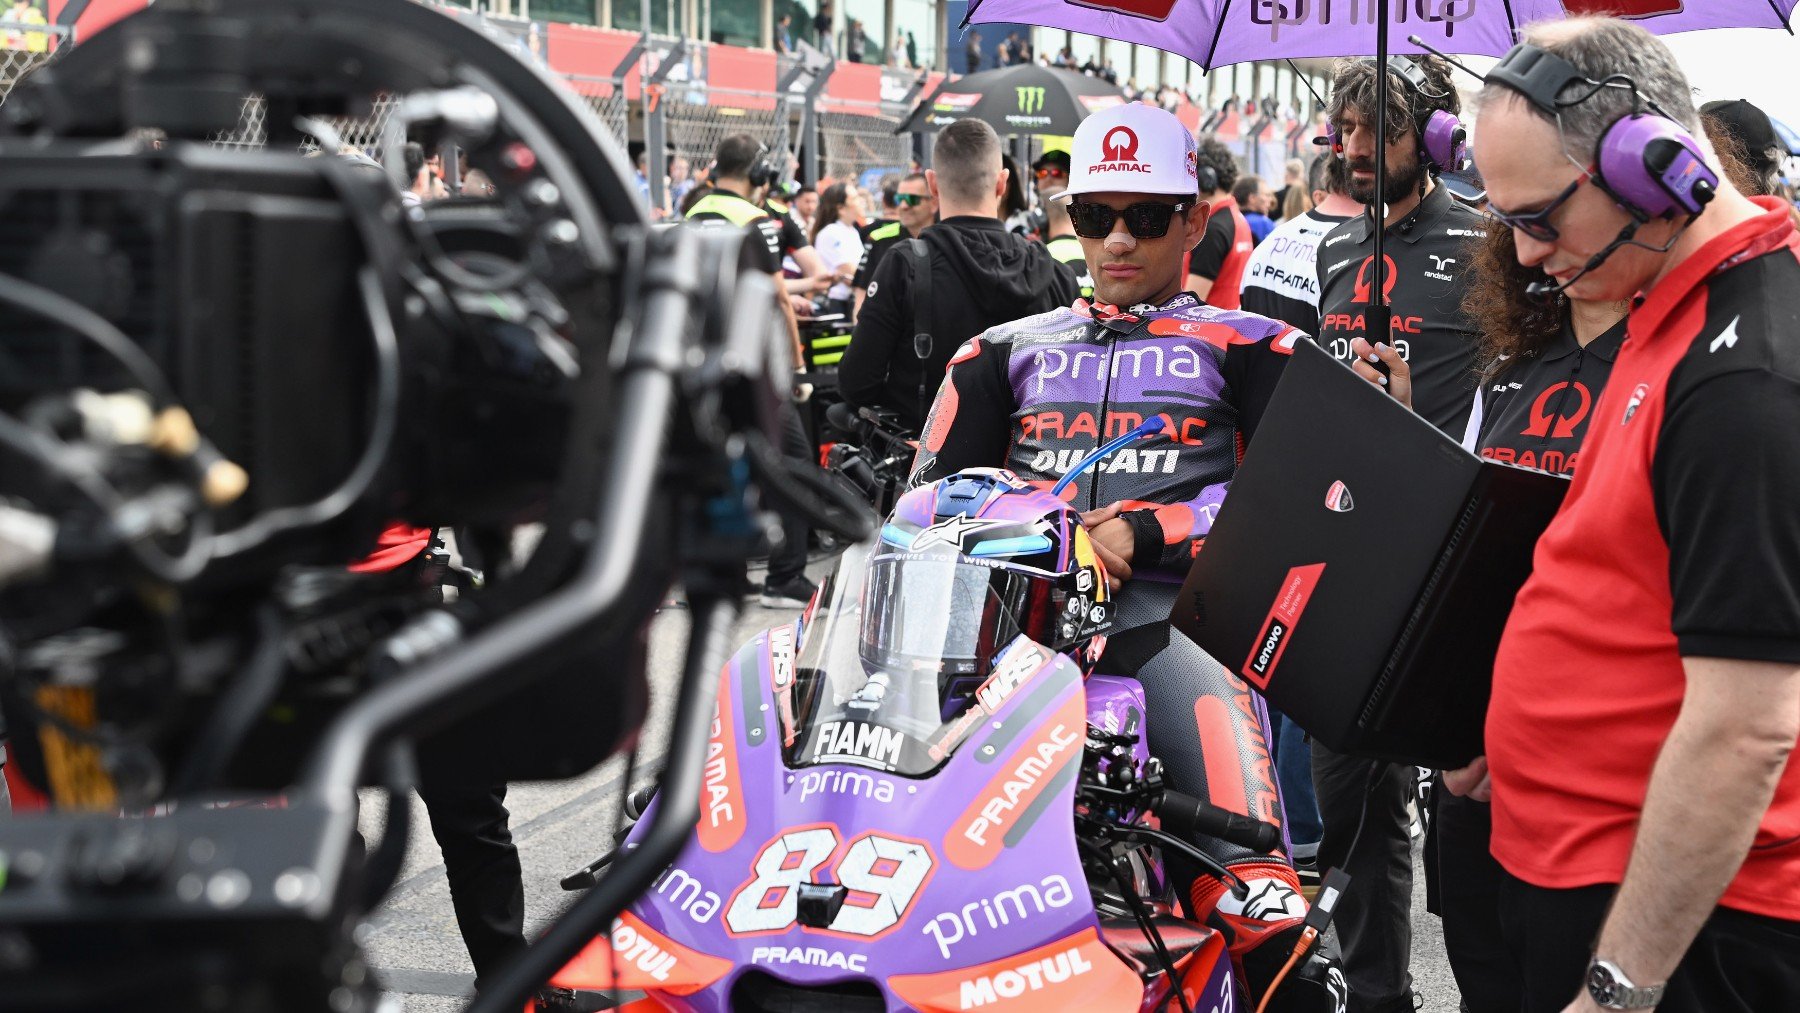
695,129
606,97
361,132
27,47
854,142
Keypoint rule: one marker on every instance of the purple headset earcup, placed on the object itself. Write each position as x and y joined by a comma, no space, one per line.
1444,142
1654,167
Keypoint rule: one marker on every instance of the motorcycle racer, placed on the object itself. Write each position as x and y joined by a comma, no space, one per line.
1038,395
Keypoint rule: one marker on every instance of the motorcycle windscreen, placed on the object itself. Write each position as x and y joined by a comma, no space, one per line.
892,664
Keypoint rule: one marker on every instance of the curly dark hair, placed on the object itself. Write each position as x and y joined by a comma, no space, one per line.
1511,323
1353,87
1213,153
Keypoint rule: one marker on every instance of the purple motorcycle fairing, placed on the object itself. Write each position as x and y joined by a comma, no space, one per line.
1032,891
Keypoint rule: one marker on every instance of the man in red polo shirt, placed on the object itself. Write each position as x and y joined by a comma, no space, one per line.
1647,690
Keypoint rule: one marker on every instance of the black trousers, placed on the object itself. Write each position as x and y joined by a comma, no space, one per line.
789,561
1738,962
1465,883
1374,918
487,887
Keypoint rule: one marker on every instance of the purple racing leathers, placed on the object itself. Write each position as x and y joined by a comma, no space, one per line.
1040,394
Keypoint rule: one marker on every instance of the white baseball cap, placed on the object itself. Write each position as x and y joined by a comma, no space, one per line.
1132,148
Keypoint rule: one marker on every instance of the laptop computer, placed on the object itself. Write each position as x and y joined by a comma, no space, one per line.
1362,568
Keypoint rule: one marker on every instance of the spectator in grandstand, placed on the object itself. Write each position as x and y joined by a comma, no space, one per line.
26,12
839,243
821,24
971,53
784,35
1254,198
856,41
978,275
912,50
896,51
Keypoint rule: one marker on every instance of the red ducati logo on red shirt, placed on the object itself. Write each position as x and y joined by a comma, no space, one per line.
1541,418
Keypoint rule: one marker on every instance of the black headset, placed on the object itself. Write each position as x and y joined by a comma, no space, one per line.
765,168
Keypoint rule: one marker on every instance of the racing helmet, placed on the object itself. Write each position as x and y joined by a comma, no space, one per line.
966,565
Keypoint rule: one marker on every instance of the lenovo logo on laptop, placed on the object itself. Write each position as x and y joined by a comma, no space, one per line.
1296,590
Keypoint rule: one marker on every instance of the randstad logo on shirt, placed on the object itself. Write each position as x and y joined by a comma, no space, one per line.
1118,152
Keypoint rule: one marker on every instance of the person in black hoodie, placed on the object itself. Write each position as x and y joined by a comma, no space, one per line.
981,275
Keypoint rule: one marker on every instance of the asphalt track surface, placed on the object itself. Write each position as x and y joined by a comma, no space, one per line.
560,826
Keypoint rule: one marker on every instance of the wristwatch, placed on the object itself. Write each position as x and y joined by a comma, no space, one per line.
1610,989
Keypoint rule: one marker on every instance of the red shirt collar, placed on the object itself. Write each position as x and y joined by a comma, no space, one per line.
1765,233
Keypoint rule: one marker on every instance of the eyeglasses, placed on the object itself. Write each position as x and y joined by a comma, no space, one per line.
1536,224
910,200
1048,172
1144,220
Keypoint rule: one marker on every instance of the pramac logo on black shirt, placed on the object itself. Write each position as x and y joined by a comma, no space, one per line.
1558,426
1118,152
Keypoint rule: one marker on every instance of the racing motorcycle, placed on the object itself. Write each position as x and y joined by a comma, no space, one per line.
920,795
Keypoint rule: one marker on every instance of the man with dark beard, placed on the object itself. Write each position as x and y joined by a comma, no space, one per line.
1427,245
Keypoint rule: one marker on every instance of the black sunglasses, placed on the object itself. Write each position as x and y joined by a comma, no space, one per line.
1144,220
911,200
1536,224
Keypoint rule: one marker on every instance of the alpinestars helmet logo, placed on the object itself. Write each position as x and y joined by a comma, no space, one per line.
1337,498
950,532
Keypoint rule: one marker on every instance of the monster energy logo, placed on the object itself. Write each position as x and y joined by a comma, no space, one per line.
1031,100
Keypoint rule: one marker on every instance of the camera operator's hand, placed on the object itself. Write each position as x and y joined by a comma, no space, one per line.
803,307
1398,380
1113,540
1470,781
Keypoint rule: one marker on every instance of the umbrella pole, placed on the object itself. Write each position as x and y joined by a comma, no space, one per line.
1376,318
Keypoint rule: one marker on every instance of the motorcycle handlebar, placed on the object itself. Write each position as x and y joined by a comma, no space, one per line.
1185,816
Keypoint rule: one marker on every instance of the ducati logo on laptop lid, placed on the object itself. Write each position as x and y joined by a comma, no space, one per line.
1338,498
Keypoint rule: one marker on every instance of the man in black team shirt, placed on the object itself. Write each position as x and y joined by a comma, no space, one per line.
1425,246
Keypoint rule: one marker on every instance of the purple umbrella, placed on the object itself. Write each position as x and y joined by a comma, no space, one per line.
1217,33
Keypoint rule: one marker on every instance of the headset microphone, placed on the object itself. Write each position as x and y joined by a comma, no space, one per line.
1541,289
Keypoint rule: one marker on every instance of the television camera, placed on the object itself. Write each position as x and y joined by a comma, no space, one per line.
226,376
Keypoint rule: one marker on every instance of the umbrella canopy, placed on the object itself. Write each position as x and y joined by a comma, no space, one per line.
1027,99
1216,33
1790,141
